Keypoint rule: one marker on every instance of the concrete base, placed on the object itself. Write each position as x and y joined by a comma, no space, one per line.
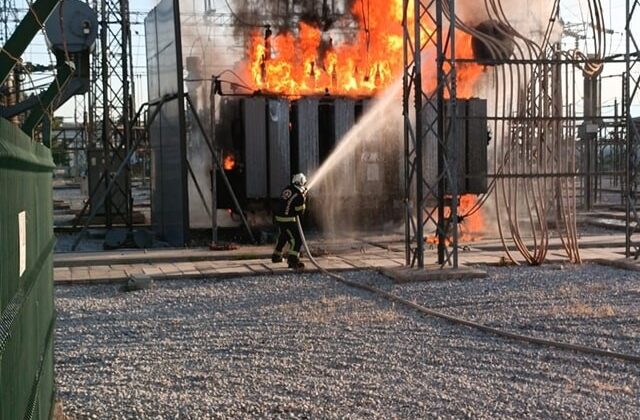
623,264
432,273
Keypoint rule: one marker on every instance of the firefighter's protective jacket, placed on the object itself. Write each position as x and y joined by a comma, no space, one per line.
292,203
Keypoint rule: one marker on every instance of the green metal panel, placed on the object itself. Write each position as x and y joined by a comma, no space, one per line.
26,276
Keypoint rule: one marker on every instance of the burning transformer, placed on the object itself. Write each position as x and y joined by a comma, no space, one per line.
300,91
269,138
308,94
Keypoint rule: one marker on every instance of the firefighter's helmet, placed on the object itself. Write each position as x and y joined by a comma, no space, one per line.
299,179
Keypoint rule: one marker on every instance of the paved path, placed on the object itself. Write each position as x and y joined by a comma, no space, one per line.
373,253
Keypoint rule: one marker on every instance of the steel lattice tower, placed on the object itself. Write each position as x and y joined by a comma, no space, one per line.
110,105
433,114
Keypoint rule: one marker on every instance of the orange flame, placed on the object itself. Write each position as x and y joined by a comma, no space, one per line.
229,163
471,227
309,62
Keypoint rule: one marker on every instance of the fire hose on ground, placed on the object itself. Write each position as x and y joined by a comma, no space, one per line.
461,321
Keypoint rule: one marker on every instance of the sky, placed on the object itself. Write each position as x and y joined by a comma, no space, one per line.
572,11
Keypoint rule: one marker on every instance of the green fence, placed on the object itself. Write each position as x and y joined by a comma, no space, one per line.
26,277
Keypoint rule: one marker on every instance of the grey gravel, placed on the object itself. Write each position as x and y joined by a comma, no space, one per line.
301,346
589,304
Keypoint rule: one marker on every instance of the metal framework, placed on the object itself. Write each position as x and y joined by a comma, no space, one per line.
110,106
432,115
631,84
535,146
9,20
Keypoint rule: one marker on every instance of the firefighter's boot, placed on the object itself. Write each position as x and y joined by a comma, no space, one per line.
276,258
295,263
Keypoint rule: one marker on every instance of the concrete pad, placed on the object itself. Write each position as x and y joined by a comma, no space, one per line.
151,270
383,263
187,269
203,265
118,275
623,264
61,274
331,265
235,270
259,268
483,259
593,254
356,263
433,273
133,269
80,274
169,270
349,264
207,272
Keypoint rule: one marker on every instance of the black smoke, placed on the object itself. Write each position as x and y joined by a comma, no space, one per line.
281,14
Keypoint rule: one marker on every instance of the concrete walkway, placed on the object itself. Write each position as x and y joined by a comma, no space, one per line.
371,253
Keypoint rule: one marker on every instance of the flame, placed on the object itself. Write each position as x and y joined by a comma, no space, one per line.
310,62
229,163
472,225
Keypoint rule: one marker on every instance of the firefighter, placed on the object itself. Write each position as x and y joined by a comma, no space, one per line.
291,204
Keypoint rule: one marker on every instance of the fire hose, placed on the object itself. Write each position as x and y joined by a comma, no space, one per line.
461,321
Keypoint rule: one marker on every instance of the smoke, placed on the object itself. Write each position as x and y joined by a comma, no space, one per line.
283,14
530,18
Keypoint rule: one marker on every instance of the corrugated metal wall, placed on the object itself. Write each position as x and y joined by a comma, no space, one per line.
306,134
279,154
26,276
471,144
167,136
254,119
344,119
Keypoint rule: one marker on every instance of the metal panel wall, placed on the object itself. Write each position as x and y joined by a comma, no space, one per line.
306,133
477,147
254,119
458,145
26,277
169,201
471,145
344,118
370,158
279,151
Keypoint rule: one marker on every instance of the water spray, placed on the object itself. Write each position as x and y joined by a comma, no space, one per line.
355,135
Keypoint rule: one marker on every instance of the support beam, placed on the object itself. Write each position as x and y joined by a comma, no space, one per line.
28,28
48,99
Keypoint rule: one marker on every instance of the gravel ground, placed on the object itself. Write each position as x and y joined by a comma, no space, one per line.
589,304
303,347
